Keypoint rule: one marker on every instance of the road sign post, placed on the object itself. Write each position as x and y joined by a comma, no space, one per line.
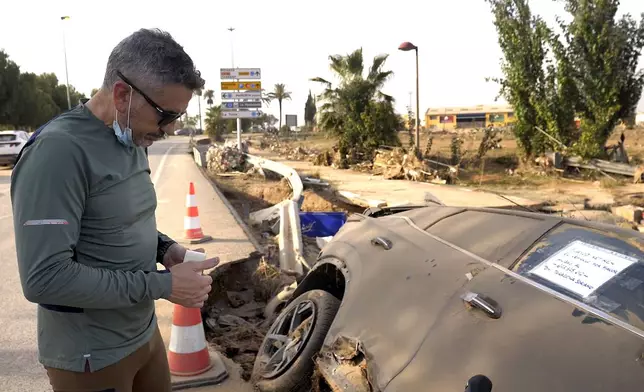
241,114
238,89
234,86
241,105
241,95
240,73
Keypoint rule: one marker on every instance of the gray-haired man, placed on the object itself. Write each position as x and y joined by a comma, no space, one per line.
86,236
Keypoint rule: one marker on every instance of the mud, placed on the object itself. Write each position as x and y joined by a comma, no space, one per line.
234,320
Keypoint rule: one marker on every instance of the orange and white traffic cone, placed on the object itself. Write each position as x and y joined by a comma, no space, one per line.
191,223
188,350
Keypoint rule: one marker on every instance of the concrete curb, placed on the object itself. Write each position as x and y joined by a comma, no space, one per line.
233,212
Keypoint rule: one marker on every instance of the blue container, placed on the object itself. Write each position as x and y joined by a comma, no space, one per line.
321,224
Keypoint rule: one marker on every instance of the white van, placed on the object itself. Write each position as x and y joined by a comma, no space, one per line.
11,142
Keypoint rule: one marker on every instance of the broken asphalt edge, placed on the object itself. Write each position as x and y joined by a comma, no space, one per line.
233,212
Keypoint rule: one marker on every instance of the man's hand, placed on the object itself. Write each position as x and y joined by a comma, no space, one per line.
175,255
189,287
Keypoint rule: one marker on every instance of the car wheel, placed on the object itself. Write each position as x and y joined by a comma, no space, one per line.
284,362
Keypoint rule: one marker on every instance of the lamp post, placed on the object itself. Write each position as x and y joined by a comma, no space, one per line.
69,102
406,47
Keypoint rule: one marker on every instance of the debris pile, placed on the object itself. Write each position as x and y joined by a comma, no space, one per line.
232,143
236,308
222,159
397,163
298,153
327,158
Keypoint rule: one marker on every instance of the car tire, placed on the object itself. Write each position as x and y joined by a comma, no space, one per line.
296,376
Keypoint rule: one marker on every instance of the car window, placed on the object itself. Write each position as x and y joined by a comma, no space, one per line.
7,137
598,268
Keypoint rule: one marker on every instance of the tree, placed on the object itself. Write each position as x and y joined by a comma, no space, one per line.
191,121
356,110
215,125
280,94
94,91
310,110
9,84
590,72
198,93
209,95
604,53
28,100
537,78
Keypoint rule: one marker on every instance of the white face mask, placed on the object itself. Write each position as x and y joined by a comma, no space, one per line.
124,136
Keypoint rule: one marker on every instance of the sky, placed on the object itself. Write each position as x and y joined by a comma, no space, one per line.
289,40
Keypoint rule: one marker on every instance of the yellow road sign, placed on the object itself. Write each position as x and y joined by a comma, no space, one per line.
250,86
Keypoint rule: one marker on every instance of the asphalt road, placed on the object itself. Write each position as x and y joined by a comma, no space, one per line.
19,367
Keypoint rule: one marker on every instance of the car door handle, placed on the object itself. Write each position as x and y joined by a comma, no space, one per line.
382,241
489,306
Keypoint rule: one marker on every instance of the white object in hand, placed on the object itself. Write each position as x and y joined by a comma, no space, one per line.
191,255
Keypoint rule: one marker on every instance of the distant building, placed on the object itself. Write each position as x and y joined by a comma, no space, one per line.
469,117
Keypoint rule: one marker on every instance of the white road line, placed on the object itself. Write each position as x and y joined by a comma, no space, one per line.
157,173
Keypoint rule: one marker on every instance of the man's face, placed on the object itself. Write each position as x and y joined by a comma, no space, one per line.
144,115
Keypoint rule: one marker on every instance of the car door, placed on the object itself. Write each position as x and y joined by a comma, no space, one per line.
527,338
398,283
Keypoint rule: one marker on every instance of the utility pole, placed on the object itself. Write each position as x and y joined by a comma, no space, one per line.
232,59
69,102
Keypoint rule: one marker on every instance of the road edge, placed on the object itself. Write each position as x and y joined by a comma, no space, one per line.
233,212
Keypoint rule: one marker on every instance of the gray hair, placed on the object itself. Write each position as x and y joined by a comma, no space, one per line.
152,58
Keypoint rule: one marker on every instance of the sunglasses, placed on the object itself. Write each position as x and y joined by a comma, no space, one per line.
167,116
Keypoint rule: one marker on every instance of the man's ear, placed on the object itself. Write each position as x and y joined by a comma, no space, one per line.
121,96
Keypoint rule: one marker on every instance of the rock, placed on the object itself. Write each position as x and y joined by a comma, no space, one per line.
628,212
249,310
239,298
231,320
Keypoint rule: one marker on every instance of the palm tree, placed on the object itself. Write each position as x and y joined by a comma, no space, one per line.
279,93
198,93
355,109
214,123
209,95
265,98
354,91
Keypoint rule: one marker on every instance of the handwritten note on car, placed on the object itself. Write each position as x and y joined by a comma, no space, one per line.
582,268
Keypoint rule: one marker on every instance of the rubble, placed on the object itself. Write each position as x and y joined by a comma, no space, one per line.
628,212
234,317
232,143
222,159
298,153
398,164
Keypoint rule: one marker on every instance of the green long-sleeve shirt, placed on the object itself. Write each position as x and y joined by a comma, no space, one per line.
86,240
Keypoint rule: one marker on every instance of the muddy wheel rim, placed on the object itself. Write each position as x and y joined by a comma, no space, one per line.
286,339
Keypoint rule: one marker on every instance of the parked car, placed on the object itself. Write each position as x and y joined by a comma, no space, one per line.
427,298
182,132
11,142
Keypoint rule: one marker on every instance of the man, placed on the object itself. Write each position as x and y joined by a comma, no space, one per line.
86,237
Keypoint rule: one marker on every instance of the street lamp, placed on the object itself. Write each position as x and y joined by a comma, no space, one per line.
406,47
69,102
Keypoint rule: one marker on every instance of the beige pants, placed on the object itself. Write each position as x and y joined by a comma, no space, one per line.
145,370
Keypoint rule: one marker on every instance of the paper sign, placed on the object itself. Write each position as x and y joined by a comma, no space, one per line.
582,268
194,256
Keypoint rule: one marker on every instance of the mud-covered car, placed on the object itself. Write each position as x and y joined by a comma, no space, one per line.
422,299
